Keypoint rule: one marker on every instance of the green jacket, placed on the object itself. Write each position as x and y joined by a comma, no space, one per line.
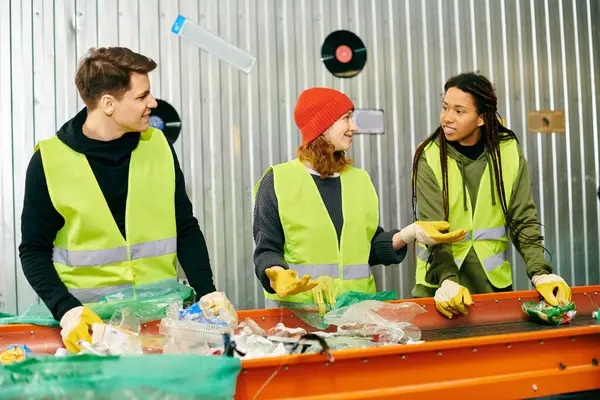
521,207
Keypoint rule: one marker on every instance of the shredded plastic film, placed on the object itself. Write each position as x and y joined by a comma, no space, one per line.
382,322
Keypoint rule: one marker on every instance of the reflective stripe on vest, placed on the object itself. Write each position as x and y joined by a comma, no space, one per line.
486,225
94,258
358,271
311,243
90,254
490,263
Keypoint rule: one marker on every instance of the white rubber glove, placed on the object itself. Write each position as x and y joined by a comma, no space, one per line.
452,298
76,324
428,232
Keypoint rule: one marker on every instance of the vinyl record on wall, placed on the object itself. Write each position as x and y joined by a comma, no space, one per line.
166,118
344,54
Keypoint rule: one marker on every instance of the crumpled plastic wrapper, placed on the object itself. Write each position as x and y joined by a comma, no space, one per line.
249,327
213,308
255,346
543,313
126,319
280,330
379,321
15,353
111,340
175,345
199,328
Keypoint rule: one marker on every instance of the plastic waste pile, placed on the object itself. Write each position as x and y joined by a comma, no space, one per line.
211,327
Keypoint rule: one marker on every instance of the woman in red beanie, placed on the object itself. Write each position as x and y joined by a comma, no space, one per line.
317,216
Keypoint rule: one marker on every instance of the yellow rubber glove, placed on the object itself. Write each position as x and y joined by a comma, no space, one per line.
547,284
428,232
323,289
285,282
76,325
452,298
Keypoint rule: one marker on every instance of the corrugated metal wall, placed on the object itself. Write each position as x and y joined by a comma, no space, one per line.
540,54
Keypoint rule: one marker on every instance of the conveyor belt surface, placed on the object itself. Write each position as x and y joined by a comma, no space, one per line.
462,332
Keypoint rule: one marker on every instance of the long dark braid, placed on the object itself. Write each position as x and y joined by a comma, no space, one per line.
486,102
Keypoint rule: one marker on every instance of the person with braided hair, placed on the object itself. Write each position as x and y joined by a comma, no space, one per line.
472,173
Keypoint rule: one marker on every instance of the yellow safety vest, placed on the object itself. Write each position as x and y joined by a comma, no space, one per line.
486,225
311,242
91,256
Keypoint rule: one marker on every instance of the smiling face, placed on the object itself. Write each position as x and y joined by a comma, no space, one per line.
131,112
341,132
459,117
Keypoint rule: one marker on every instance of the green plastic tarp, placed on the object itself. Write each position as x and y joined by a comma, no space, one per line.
127,377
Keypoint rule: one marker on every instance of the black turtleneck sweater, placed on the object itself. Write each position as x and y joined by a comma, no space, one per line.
472,152
109,161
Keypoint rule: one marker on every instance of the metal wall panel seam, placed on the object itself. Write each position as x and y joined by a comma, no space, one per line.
287,103
304,47
377,104
411,90
457,23
8,301
215,257
488,28
594,114
425,50
581,138
23,114
554,152
362,140
567,136
234,132
536,84
522,80
250,126
473,33
107,11
340,25
507,87
128,17
442,47
44,90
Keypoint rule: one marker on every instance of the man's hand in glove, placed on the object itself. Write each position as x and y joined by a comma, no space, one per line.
452,298
547,284
76,325
285,282
428,232
323,289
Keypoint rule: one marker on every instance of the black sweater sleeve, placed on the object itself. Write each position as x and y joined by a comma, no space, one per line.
267,231
382,251
191,246
39,224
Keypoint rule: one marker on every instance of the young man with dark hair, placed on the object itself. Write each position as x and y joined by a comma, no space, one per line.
105,206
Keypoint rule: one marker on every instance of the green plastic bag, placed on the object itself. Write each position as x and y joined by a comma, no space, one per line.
127,377
149,304
349,298
545,314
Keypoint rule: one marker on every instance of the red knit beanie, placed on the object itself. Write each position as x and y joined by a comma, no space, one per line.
317,109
